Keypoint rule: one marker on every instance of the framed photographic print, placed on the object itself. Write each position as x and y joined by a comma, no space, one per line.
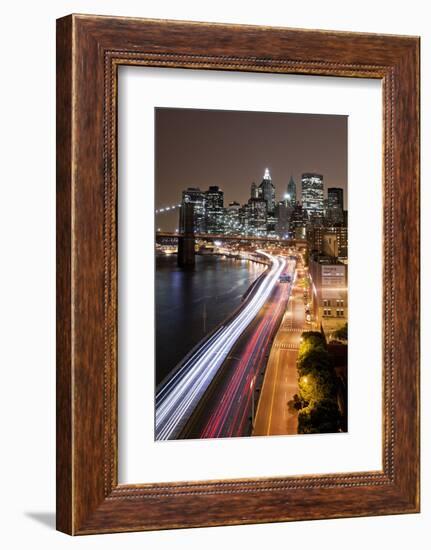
237,274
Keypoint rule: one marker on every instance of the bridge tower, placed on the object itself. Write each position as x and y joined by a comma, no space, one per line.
186,238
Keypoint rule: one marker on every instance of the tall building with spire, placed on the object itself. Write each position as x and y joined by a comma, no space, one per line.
267,191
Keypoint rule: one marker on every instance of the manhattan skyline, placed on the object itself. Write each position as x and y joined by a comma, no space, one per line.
251,274
231,149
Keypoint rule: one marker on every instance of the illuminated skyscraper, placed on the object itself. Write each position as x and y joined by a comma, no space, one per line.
334,211
196,197
298,222
335,197
267,191
214,212
232,219
244,219
291,192
312,194
257,217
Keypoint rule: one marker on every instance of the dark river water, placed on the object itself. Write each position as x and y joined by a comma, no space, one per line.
190,303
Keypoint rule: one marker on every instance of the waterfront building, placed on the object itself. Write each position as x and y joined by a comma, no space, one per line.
196,197
232,224
244,219
257,217
214,212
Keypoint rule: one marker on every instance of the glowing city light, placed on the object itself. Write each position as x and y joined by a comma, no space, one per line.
168,208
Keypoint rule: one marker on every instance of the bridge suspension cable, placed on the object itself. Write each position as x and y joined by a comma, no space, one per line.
167,208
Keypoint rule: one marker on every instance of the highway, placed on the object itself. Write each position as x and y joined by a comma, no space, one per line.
281,380
179,396
228,406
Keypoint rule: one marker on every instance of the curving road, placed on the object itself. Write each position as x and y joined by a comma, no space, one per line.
229,405
273,416
177,399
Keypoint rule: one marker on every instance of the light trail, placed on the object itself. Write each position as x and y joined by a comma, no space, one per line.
177,399
230,416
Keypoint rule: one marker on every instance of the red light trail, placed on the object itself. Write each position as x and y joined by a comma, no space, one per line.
229,416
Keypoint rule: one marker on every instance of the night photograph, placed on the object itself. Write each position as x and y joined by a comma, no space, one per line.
251,273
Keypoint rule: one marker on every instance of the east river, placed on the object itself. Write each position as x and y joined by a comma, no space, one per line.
191,303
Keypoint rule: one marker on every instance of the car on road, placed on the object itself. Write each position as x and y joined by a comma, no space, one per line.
285,278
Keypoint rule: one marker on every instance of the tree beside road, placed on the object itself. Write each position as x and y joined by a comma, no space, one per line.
317,383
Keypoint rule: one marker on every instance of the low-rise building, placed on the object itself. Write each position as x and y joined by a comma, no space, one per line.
329,282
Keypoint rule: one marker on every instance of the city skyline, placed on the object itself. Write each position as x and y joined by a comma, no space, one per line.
203,148
261,215
252,274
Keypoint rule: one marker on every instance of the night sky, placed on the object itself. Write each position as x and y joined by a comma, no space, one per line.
231,149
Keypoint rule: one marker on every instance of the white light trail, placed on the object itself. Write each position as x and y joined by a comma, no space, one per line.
177,399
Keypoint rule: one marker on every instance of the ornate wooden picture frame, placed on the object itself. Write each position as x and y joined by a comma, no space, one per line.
89,51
